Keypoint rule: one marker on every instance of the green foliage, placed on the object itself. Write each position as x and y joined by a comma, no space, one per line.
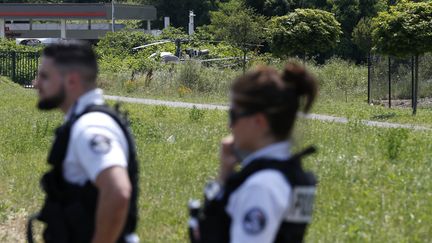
393,141
340,80
117,57
120,43
190,75
160,111
362,34
238,25
217,49
303,31
347,13
203,33
271,7
404,30
370,8
130,66
196,115
172,33
10,45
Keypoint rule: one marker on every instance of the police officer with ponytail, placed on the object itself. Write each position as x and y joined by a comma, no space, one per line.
270,199
91,188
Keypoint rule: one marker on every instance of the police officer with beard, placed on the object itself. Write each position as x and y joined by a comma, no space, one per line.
270,199
91,189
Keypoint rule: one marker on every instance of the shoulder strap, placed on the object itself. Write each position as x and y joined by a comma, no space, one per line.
236,180
114,113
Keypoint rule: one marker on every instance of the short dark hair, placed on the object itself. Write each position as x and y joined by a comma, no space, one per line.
73,54
277,95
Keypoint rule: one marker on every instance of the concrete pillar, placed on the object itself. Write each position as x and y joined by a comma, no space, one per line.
166,22
112,16
31,24
191,22
2,28
63,28
148,25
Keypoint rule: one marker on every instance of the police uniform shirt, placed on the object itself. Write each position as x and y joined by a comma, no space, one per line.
96,142
259,205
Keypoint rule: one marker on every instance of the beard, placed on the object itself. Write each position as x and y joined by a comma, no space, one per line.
52,102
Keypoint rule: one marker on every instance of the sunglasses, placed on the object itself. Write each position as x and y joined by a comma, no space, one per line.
235,115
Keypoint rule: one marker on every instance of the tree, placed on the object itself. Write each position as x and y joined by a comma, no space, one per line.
318,4
370,8
406,29
362,38
304,31
270,7
238,25
362,34
348,13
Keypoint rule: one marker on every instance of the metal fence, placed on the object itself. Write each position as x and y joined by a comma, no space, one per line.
21,67
405,82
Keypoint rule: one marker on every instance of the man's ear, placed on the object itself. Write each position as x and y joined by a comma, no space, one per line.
73,79
261,120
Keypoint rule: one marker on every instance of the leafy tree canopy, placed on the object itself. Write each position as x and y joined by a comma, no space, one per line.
404,30
238,25
362,34
304,31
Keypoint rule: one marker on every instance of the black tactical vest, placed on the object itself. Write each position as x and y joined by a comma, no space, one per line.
70,210
215,222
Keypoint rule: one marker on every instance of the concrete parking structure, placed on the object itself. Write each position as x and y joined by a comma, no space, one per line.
26,14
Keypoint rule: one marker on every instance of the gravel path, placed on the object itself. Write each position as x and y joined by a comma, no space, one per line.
325,118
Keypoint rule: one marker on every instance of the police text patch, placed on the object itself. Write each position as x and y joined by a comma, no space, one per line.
100,144
254,221
301,204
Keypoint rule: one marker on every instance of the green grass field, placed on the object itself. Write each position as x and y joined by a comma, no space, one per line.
375,184
343,89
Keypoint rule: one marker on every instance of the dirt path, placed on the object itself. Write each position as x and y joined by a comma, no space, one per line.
13,228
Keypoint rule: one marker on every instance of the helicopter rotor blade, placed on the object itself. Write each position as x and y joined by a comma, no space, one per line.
151,44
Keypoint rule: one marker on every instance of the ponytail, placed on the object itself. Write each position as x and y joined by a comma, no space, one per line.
302,82
277,95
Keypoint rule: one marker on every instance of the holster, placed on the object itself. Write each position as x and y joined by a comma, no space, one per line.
55,224
66,223
66,219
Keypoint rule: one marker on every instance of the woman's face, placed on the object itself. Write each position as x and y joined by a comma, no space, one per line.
248,128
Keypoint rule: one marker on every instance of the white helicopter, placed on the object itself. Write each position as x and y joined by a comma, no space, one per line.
169,57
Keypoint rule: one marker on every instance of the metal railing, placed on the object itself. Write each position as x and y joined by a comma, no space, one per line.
21,67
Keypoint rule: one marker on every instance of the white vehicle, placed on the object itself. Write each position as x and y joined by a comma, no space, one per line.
36,41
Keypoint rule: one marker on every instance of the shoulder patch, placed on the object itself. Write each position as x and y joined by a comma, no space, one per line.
100,144
254,221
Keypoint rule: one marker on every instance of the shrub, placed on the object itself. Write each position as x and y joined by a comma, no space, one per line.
190,75
10,45
121,43
341,77
393,140
196,114
173,33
